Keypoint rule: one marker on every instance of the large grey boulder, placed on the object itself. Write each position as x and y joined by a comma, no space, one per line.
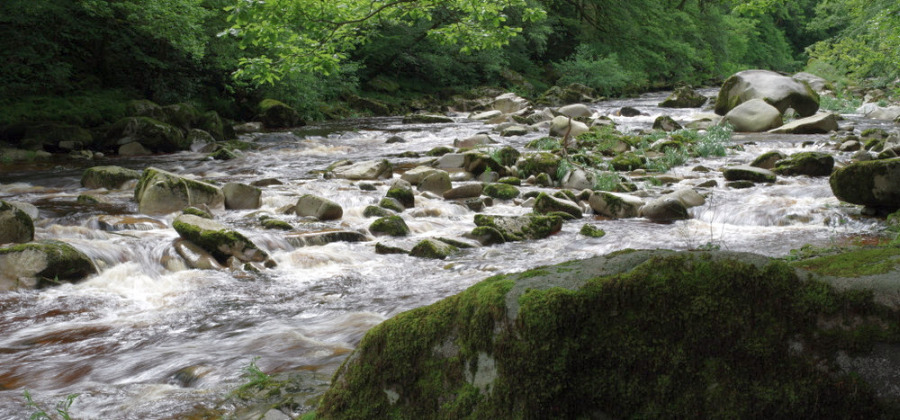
109,177
545,203
318,207
40,264
436,183
754,115
367,170
220,241
161,192
470,190
871,183
614,205
241,196
820,123
782,92
415,175
817,83
575,110
510,103
562,125
15,225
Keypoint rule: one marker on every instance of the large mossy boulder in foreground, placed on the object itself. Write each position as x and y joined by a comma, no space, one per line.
634,334
161,192
872,183
41,264
782,92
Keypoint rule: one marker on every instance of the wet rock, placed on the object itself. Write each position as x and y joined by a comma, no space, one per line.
394,140
748,173
486,115
200,141
562,126
614,205
436,183
474,141
15,225
627,111
510,180
223,154
666,123
154,135
479,162
578,179
318,207
275,224
54,137
817,83
850,146
324,238
488,177
664,209
767,160
276,114
377,211
507,155
684,97
515,130
888,114
628,161
820,123
782,92
241,196
433,248
367,170
575,111
545,204
451,161
510,103
464,191
872,183
739,185
221,242
161,192
754,115
196,211
501,191
426,119
196,257
109,177
439,151
133,149
415,175
386,249
402,191
519,228
475,204
390,225
265,182
592,231
806,163
41,264
538,163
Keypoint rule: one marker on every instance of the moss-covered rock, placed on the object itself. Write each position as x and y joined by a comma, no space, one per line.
54,136
376,211
109,177
15,225
390,225
506,155
592,231
223,243
41,264
537,163
154,135
545,204
805,163
309,205
439,151
684,97
391,204
276,224
161,192
628,161
872,183
617,206
767,160
748,173
223,153
433,248
277,114
402,191
510,180
635,334
520,228
501,191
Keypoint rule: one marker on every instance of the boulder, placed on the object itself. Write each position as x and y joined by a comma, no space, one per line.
486,115
578,179
754,115
870,183
391,204
506,155
805,163
109,177
402,191
627,111
501,191
195,257
156,136
464,191
436,183
767,160
474,141
562,125
241,196
617,206
748,173
820,123
782,92
634,334
664,209
40,264
537,163
376,211
415,175
817,83
201,141
324,238
575,110
666,123
161,192
309,205
433,248
213,124
133,149
276,114
221,242
451,161
510,103
519,228
390,225
545,204
514,130
16,226
367,170
426,119
890,113
684,97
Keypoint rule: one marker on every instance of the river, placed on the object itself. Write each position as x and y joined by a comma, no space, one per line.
123,339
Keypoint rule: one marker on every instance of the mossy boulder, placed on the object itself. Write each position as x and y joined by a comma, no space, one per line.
506,155
617,206
161,192
277,114
806,163
183,115
426,119
376,211
390,225
871,183
748,173
628,161
309,205
109,177
241,196
501,191
433,249
16,226
767,160
592,231
666,123
545,204
683,97
436,183
41,264
366,170
223,154
220,241
464,191
520,228
634,334
537,163
391,204
782,92
213,124
154,135
402,192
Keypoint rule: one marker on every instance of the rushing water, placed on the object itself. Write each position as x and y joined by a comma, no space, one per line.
124,338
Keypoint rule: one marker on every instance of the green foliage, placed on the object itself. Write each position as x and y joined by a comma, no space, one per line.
603,73
62,408
715,141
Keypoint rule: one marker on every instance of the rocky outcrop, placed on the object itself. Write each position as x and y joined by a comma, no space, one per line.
42,264
721,334
109,177
755,115
161,192
220,241
871,183
15,225
782,92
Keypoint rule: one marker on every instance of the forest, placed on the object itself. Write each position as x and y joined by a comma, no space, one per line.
80,61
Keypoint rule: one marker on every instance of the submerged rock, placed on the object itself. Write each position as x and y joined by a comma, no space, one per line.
41,264
724,334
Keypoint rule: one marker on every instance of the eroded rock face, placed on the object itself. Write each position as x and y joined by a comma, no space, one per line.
738,335
782,92
161,192
871,183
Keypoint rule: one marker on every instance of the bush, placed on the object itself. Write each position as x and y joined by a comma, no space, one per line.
603,73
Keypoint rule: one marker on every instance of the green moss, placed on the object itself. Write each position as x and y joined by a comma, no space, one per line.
391,204
805,163
216,242
538,163
506,155
390,225
501,191
868,183
223,154
592,231
519,228
375,211
404,195
276,224
510,180
64,262
628,162
434,249
544,143
862,262
439,151
545,204
196,212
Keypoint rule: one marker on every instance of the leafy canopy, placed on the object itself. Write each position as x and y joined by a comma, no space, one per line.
283,37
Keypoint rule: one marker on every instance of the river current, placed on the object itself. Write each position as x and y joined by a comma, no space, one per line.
124,338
